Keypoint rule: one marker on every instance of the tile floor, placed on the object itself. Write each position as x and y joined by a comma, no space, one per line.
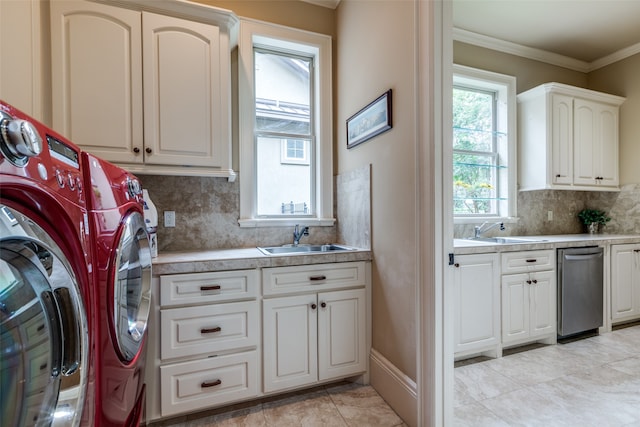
589,382
338,405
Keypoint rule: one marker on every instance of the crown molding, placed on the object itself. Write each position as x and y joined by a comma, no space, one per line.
331,4
615,57
480,40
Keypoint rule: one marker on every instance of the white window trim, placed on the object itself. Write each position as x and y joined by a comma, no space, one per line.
257,32
285,159
505,86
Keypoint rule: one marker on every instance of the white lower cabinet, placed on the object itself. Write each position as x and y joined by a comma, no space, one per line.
204,341
314,336
209,382
477,307
209,344
528,297
625,282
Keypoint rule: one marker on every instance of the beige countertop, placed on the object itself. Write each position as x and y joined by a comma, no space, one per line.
244,258
464,246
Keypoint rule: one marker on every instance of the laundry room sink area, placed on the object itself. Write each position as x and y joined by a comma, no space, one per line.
304,249
507,240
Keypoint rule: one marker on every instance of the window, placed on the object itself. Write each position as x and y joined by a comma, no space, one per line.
484,167
285,128
295,151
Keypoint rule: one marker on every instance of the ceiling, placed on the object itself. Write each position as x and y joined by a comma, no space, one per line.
579,34
587,31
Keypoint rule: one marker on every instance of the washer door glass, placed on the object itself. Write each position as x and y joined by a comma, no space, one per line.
43,335
132,286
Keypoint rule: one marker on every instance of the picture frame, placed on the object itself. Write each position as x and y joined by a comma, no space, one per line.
370,121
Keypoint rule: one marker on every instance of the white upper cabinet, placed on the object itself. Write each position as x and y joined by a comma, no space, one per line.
97,78
22,52
568,139
148,91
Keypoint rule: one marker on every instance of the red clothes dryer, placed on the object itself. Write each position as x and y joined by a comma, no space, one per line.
122,280
47,338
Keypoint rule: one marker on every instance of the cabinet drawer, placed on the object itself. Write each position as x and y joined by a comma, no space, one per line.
215,328
319,277
208,383
202,288
519,262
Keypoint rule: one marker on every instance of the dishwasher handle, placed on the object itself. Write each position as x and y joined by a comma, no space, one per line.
571,257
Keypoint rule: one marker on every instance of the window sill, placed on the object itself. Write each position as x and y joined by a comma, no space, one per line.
478,219
286,222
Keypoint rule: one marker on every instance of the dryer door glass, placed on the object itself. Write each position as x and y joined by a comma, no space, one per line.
132,286
43,336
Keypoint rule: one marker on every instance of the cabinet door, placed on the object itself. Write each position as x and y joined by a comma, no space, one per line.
542,304
595,144
607,136
515,307
477,302
561,139
625,282
585,149
290,341
21,76
341,334
97,78
182,104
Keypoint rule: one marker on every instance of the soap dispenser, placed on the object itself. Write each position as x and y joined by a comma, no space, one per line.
151,222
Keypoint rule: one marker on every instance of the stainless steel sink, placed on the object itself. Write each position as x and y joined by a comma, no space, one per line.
506,240
290,249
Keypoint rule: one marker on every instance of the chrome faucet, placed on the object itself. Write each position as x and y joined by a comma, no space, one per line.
480,229
298,232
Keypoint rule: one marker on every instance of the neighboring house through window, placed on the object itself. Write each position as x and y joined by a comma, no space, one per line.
484,145
285,126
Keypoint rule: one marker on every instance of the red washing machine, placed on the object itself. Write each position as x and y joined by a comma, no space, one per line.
47,339
122,280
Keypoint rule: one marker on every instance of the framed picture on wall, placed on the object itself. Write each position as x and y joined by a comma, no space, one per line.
371,121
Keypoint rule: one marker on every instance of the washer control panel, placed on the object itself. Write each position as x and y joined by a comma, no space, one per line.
31,150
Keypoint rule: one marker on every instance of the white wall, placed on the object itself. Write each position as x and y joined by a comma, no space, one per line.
375,52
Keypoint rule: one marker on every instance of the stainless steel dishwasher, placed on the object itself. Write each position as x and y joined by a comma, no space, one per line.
580,291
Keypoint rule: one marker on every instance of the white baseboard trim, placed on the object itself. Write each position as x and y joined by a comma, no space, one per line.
396,388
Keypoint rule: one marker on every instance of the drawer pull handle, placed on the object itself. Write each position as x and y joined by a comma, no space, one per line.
317,278
532,260
210,330
210,288
211,383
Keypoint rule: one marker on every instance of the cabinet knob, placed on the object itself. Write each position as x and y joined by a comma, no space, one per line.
213,383
456,265
136,150
528,282
148,150
323,304
535,281
313,306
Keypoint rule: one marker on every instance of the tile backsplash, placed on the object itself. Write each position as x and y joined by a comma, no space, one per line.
533,206
207,212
